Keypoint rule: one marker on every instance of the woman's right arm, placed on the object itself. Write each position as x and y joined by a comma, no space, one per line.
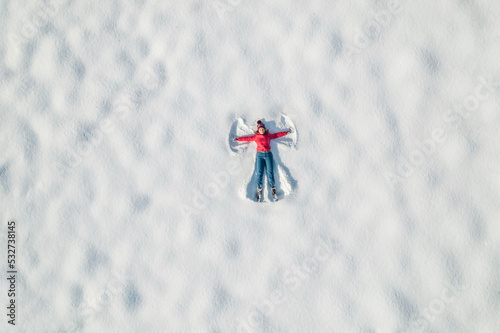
246,138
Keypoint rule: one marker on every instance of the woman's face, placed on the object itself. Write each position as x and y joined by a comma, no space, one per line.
262,130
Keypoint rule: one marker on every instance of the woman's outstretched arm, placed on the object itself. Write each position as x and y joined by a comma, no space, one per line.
246,138
278,135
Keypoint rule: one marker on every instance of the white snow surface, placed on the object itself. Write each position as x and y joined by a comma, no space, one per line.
131,208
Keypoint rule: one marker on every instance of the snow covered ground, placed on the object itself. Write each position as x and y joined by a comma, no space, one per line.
131,205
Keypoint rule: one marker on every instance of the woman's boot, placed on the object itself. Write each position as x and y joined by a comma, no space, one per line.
259,194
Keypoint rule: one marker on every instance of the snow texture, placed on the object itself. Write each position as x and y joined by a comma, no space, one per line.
130,199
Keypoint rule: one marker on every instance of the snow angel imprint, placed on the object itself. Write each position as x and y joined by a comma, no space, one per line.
262,138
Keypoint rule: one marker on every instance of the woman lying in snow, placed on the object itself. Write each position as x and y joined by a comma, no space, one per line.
262,138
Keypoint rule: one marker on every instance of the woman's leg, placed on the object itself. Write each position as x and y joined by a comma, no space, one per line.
270,169
259,167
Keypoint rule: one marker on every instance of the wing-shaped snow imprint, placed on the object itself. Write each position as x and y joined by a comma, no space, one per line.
239,128
291,139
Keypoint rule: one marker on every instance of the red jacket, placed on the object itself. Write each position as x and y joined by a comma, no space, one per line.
262,140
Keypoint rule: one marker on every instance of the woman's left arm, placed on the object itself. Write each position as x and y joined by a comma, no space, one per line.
278,135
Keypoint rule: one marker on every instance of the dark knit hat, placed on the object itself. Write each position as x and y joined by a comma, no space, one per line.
260,124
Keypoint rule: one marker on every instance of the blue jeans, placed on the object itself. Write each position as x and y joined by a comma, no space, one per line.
264,159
